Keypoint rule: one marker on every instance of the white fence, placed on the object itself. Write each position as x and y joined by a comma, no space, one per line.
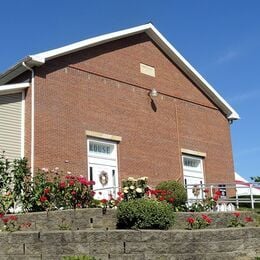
236,194
230,194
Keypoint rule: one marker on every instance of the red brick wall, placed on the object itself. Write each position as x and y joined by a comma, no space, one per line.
101,89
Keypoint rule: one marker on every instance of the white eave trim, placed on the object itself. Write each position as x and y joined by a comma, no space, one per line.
156,36
13,88
77,46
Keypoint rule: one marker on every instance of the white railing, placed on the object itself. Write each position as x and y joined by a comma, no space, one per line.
229,193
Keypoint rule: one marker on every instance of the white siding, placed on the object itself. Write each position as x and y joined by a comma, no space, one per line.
11,125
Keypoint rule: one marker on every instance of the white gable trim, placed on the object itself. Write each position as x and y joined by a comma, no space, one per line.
156,36
13,88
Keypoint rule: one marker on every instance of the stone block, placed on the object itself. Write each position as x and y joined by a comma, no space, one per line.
153,235
124,235
156,247
106,248
12,249
21,237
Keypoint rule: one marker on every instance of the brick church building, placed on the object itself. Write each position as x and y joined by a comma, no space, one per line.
120,104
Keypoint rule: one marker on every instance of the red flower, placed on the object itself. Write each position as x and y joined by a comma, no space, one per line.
218,192
171,200
248,219
92,193
78,205
43,199
5,220
62,185
215,197
46,190
104,201
84,181
206,190
71,182
26,224
190,220
90,183
120,193
206,218
14,218
73,192
1,215
236,214
161,198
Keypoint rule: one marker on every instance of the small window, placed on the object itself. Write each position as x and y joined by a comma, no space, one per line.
100,148
193,163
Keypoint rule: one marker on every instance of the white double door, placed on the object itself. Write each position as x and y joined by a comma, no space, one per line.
102,167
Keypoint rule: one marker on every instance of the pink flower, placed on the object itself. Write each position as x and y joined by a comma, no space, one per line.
73,192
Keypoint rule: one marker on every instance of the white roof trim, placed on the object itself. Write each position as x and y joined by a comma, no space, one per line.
13,88
156,36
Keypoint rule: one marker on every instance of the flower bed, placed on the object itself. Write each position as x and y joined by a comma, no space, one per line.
53,192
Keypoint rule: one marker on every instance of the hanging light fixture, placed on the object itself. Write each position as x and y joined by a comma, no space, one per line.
153,93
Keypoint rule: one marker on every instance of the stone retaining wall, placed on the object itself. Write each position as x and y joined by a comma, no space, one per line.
80,219
229,243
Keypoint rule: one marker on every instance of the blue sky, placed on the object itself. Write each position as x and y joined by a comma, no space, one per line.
221,39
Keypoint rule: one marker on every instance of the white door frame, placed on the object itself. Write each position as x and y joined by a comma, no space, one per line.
193,169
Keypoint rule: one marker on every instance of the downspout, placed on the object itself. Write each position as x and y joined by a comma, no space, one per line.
32,117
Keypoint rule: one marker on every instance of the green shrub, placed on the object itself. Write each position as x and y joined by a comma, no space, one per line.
176,189
145,214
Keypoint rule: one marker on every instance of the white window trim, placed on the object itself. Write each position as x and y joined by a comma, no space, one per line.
194,153
107,137
23,125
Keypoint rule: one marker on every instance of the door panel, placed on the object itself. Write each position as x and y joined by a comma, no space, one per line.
105,180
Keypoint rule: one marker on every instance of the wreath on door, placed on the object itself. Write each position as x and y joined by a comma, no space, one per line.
103,178
196,190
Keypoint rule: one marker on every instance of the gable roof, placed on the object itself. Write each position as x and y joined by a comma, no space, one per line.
40,58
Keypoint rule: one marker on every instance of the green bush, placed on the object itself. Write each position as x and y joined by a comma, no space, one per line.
176,190
144,214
